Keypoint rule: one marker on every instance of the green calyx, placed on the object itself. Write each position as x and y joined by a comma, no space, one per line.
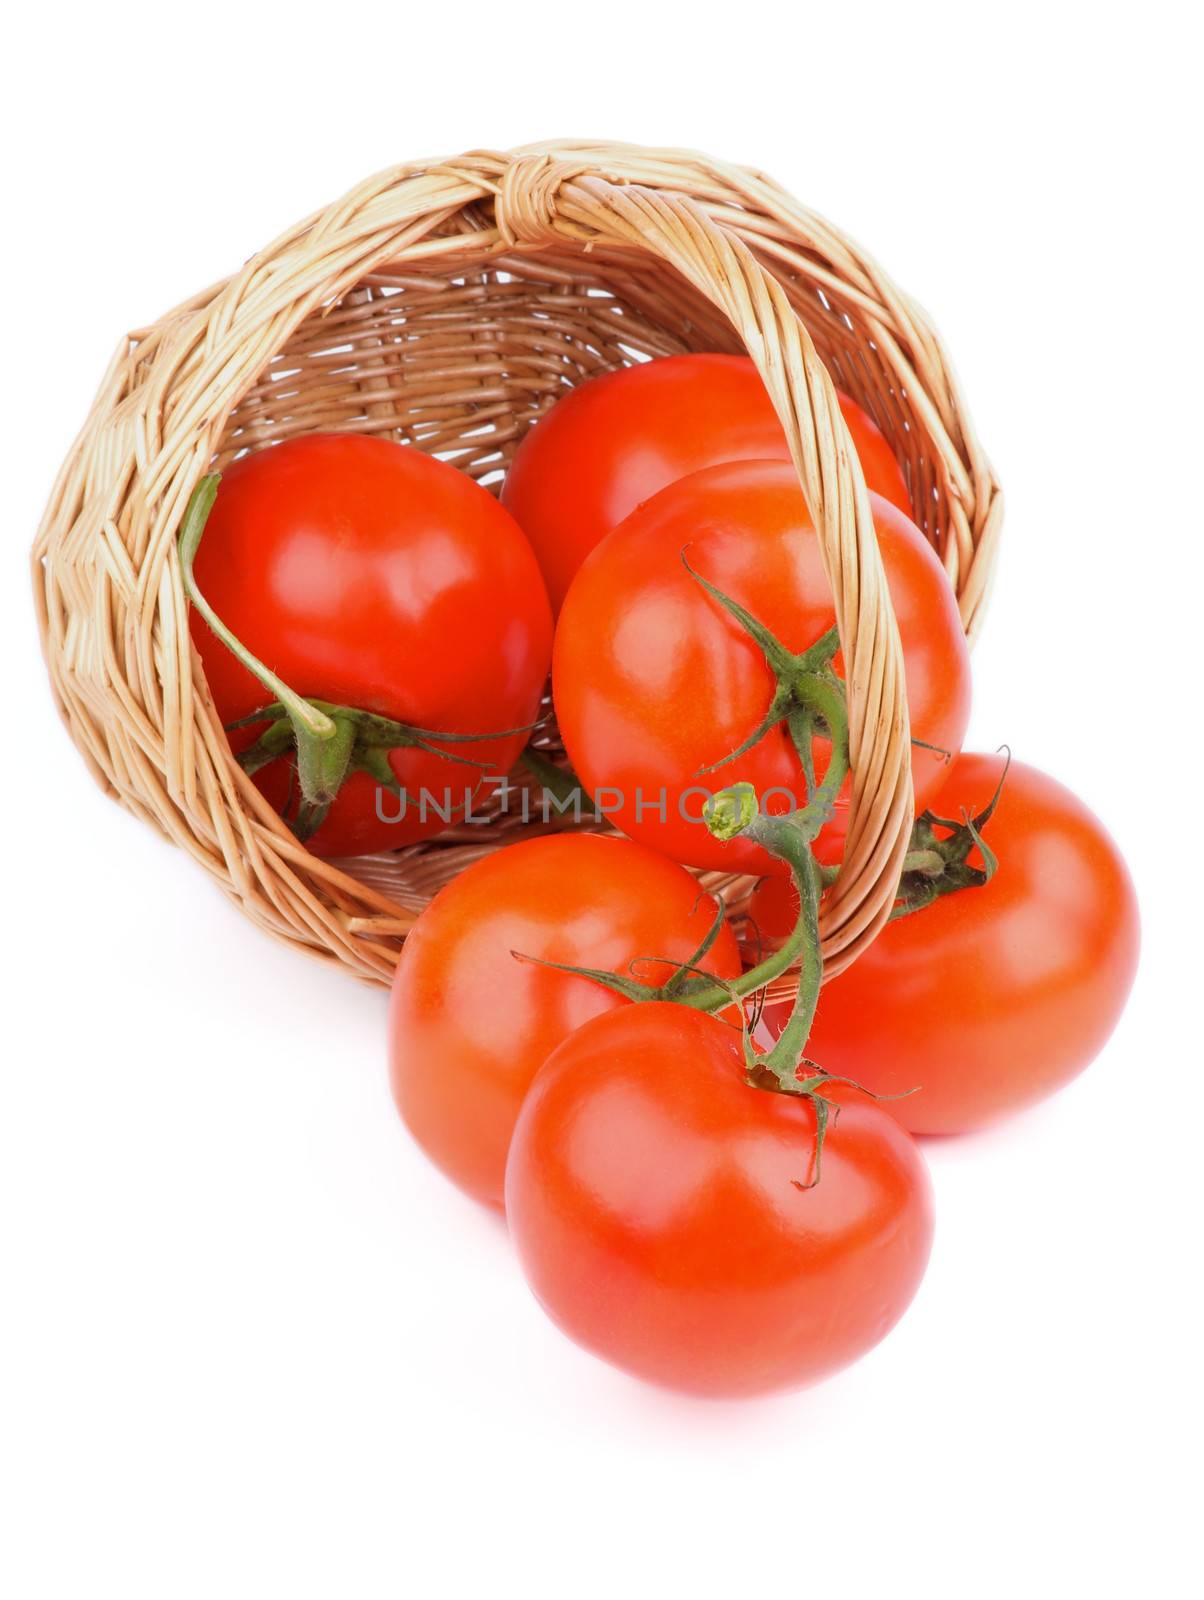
674,987
809,698
327,741
937,862
361,742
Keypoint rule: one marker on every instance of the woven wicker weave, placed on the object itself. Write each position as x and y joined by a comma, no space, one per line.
446,304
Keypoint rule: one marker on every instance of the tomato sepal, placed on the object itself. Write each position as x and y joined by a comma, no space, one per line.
674,987
809,696
938,863
361,742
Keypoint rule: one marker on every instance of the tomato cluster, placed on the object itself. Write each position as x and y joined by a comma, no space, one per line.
715,1198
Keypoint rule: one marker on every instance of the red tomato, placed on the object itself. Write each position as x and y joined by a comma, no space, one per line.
659,1208
653,681
469,1026
620,438
774,911
371,575
990,998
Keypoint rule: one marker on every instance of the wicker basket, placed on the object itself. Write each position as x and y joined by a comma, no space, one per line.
447,304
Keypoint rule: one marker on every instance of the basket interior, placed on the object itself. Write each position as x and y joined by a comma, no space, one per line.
460,364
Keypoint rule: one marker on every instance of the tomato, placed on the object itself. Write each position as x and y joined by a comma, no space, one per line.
653,681
990,998
773,910
368,574
620,438
661,1212
469,1025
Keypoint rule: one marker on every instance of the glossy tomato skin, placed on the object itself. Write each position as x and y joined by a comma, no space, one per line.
655,1204
620,438
653,681
993,997
368,574
469,1026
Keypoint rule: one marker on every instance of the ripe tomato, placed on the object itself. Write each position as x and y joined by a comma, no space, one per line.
774,910
469,1025
620,438
371,575
653,681
659,1208
990,998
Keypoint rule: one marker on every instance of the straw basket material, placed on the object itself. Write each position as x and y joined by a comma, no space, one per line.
448,304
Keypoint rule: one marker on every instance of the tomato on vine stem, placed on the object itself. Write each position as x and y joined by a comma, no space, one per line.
697,649
373,628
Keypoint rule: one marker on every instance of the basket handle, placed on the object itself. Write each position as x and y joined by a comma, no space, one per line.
540,200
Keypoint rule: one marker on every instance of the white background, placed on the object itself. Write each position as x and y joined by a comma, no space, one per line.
252,1344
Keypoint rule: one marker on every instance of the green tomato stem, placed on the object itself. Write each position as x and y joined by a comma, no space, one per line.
789,840
560,782
783,1059
305,717
732,813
